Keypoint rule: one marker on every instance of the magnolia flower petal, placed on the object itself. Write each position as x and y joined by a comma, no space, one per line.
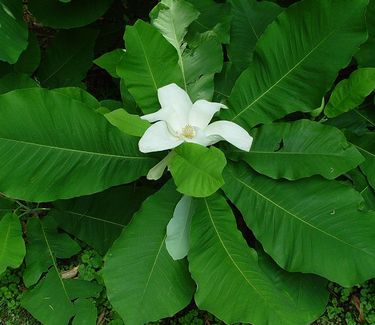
177,102
178,229
231,132
202,112
160,115
157,171
158,138
200,138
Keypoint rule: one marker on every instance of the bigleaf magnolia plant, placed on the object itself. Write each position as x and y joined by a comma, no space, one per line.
238,169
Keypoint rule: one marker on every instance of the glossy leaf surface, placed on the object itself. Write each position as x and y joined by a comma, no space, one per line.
319,217
350,93
100,218
13,31
44,244
301,149
288,73
249,20
54,144
197,170
230,276
149,63
150,285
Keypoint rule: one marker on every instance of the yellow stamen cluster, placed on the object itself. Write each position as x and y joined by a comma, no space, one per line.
188,132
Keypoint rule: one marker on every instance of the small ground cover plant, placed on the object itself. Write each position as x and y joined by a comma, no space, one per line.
221,154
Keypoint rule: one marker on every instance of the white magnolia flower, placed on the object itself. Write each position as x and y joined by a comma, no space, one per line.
179,120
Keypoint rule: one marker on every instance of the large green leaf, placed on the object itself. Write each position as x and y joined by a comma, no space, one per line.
197,170
50,301
230,278
86,312
80,95
365,56
143,282
13,31
288,73
70,14
128,123
99,219
366,145
213,22
12,81
350,93
60,148
316,216
249,20
301,149
6,205
29,59
109,61
58,69
149,63
12,246
224,82
357,121
361,184
172,18
44,243
198,63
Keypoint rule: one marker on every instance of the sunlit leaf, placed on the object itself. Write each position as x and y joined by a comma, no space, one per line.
149,63
231,277
62,147
318,217
197,170
301,149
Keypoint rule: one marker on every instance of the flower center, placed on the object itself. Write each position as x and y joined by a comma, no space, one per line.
188,132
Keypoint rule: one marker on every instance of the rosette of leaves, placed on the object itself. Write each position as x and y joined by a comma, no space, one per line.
272,225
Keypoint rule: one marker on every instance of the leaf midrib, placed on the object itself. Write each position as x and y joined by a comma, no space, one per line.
153,268
226,250
93,218
300,219
53,260
364,117
147,60
83,152
284,76
264,298
201,171
64,63
365,150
